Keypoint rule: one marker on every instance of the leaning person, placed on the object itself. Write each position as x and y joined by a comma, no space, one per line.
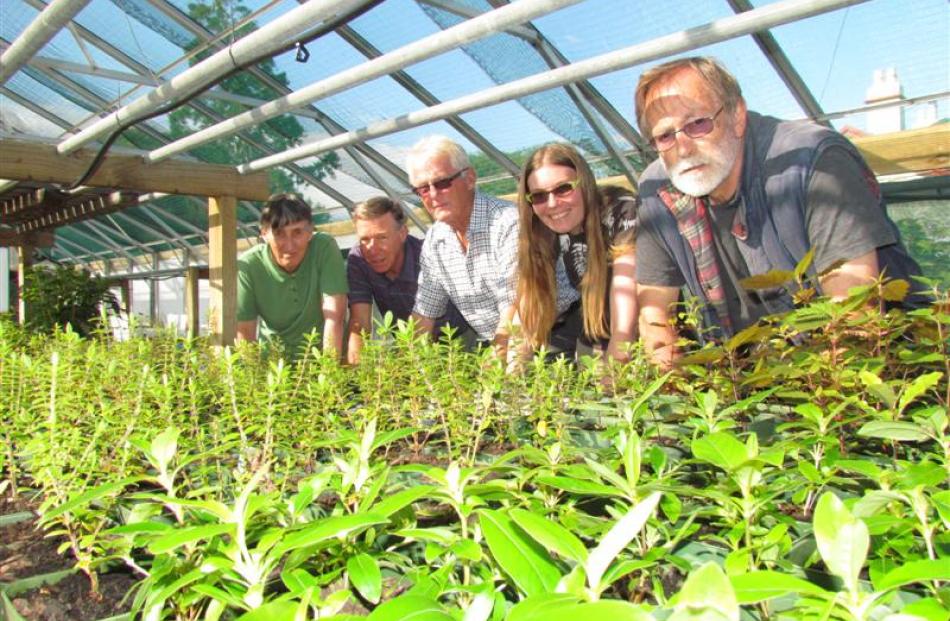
293,283
383,268
565,218
737,194
469,253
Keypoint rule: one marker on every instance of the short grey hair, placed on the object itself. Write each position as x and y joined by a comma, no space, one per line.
377,207
722,83
431,146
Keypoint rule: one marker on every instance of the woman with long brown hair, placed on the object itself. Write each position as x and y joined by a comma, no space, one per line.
564,215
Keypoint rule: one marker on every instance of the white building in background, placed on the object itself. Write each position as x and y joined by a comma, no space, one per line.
885,88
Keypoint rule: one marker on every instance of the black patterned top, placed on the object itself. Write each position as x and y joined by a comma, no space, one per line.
619,225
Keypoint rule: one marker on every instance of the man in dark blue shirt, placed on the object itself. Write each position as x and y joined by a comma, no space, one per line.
383,267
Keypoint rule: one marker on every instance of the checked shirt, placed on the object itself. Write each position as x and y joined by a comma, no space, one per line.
481,283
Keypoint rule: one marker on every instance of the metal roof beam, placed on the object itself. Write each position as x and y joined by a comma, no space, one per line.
93,101
41,30
366,48
112,229
100,239
329,124
146,209
411,53
467,12
720,30
783,66
175,239
586,110
556,59
99,72
36,109
266,40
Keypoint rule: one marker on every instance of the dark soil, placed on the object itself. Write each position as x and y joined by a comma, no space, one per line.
25,552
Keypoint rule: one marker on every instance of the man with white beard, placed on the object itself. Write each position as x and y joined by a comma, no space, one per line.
736,194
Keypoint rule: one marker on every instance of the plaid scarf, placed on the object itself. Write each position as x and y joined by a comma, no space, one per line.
692,218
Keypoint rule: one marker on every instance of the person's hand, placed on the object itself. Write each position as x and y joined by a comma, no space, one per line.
618,350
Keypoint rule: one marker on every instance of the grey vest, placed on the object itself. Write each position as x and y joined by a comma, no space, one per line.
779,157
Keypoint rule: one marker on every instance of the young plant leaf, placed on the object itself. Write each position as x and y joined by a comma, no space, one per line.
759,586
918,386
328,528
100,491
9,611
395,502
707,594
163,448
926,570
481,607
900,431
181,536
551,535
580,486
621,534
721,449
563,607
34,582
804,264
410,607
521,558
281,610
895,290
768,280
941,502
365,576
842,539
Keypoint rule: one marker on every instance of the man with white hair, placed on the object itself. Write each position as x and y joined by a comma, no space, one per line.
469,254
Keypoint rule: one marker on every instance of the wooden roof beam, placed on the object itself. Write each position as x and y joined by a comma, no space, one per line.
38,239
917,150
38,162
73,211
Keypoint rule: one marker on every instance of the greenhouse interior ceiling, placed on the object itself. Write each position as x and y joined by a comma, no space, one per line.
129,114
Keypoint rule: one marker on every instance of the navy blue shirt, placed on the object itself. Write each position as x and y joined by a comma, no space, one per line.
396,295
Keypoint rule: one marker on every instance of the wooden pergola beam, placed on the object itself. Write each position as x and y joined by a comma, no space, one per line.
41,163
915,150
37,239
43,209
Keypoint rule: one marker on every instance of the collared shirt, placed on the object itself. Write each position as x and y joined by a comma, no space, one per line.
289,305
396,295
481,282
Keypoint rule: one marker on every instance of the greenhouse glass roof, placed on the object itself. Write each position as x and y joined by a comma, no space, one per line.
109,55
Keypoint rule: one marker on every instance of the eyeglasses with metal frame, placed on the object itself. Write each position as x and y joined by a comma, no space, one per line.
439,184
540,197
697,128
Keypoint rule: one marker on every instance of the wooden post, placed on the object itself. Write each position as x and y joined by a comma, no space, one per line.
125,292
154,294
222,269
24,257
191,301
4,280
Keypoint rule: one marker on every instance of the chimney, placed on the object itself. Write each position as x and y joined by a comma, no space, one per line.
885,88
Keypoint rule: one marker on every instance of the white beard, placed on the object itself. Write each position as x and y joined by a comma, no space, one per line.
717,166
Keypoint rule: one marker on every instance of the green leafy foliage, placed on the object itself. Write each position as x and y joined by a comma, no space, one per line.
771,481
61,296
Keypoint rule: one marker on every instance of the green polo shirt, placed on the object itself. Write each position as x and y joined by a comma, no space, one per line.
289,306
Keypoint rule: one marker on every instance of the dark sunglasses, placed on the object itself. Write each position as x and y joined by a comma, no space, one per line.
540,197
439,185
694,129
